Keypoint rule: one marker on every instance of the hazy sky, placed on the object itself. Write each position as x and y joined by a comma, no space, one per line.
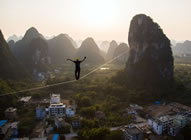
100,19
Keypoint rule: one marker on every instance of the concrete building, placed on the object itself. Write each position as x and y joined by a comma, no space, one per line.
161,124
59,122
131,111
156,126
25,99
174,129
70,111
166,122
3,128
76,123
56,108
12,131
132,133
55,99
11,113
180,120
40,112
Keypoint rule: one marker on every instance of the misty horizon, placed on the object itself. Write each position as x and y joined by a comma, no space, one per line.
102,20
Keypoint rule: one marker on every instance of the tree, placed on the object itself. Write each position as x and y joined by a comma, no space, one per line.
26,125
85,101
88,111
114,135
85,123
93,134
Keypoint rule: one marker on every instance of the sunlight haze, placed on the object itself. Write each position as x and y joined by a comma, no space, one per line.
100,19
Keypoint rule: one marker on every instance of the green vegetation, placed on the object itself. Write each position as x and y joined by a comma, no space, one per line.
100,92
27,121
93,134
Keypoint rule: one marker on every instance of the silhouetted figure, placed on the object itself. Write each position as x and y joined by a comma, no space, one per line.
77,64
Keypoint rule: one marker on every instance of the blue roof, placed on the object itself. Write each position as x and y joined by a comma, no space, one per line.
2,122
15,133
157,102
55,137
13,138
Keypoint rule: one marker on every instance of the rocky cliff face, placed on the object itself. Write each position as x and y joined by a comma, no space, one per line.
150,59
21,47
10,68
182,49
112,46
90,49
61,47
38,57
122,48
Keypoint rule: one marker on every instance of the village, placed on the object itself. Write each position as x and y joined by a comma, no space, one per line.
57,117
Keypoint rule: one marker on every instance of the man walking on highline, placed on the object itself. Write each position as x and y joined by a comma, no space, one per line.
77,65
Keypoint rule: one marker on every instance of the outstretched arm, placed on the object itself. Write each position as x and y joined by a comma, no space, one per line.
70,60
84,59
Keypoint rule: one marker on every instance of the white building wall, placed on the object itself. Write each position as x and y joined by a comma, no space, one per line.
70,112
157,127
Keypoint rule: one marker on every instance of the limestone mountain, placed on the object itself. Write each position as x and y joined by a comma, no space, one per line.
10,67
14,37
11,44
112,46
104,46
90,49
182,48
150,61
20,49
38,58
122,48
72,41
61,47
103,54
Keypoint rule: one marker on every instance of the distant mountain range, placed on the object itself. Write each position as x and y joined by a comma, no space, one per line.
15,38
122,48
112,46
37,54
90,49
61,47
182,48
27,47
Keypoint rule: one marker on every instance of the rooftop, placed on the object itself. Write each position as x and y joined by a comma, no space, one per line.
2,122
56,95
133,130
165,118
55,137
58,105
10,109
25,99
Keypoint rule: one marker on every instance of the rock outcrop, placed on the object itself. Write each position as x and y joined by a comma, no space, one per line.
150,61
122,48
21,48
182,49
61,47
112,46
10,68
104,46
38,57
11,44
90,49
15,38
